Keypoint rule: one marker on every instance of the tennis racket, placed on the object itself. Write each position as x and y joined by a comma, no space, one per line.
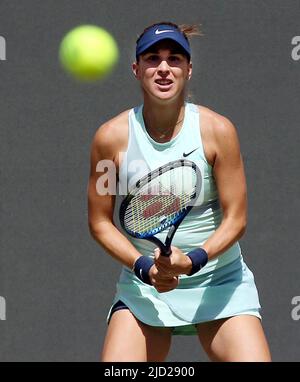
161,200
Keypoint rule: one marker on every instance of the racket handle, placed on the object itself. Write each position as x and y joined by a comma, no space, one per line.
165,251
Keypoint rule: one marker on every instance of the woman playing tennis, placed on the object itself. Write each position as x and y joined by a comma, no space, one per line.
211,294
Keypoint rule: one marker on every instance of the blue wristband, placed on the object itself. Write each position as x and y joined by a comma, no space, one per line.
142,267
199,259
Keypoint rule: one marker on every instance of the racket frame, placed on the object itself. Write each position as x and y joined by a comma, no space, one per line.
164,247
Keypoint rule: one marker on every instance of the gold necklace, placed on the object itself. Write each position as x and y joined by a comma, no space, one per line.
164,134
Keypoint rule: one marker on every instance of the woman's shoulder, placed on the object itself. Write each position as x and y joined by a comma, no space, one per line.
113,134
211,116
116,124
213,122
216,131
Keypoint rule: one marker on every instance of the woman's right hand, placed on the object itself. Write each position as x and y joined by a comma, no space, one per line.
162,282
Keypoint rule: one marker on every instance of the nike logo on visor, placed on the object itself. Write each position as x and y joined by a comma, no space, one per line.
187,154
164,31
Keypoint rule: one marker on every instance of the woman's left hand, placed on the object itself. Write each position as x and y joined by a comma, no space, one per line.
174,265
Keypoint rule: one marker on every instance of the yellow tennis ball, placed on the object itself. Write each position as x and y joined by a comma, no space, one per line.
88,52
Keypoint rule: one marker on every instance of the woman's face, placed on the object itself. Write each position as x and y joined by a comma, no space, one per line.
163,71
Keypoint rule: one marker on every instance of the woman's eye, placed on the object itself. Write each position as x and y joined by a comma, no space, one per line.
152,58
174,58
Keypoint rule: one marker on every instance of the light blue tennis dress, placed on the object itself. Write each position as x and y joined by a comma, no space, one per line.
225,286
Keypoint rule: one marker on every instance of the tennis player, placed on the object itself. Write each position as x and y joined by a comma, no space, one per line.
211,294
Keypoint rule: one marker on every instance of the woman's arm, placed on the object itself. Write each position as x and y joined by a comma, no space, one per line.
105,147
229,174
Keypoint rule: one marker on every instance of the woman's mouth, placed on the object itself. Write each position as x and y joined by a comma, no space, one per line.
164,84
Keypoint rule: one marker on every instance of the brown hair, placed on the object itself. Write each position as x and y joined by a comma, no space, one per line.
190,30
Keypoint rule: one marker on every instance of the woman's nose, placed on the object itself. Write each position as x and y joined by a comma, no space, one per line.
163,66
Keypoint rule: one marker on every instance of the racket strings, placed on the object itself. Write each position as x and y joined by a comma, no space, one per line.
140,218
161,201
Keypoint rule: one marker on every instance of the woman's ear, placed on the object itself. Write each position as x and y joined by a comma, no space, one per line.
135,69
190,71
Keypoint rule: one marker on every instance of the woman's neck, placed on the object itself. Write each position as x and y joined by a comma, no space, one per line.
163,121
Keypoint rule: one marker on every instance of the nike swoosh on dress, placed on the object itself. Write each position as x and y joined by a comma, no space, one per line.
187,154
